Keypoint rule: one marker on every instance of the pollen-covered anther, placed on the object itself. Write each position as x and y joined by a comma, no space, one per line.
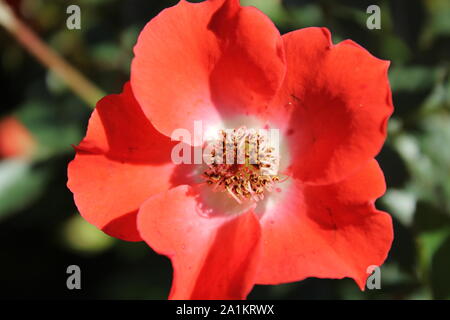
243,165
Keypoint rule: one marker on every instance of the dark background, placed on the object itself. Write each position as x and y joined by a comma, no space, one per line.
41,233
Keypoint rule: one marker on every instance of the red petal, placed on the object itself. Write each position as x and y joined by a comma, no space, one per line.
329,231
212,258
339,99
205,61
115,166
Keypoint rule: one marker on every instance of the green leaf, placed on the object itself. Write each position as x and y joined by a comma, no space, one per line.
433,228
20,185
272,8
440,270
54,125
81,236
411,78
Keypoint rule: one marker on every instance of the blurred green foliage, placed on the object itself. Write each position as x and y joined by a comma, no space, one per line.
41,233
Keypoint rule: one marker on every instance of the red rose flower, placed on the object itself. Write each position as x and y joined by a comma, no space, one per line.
226,228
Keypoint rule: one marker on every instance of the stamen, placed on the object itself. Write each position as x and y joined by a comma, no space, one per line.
242,181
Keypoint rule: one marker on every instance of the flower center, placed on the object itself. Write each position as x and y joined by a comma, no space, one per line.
243,163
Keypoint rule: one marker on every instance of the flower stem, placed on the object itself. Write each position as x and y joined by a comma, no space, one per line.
84,88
